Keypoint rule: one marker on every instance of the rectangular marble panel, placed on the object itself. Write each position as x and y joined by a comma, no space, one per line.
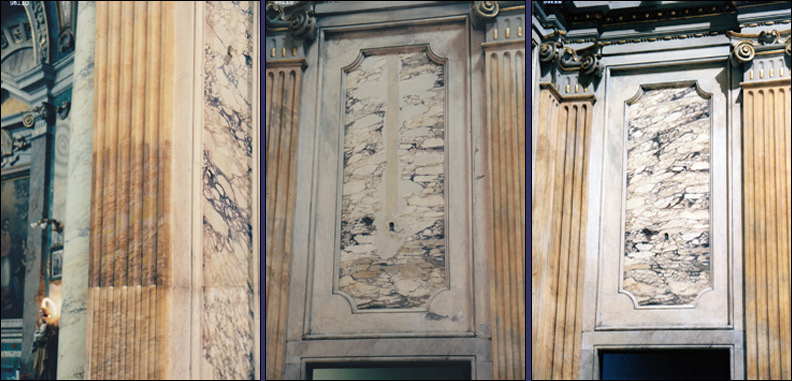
667,216
393,205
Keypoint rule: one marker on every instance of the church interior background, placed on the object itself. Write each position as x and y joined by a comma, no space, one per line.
130,234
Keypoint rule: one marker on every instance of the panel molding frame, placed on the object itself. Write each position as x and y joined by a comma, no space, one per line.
692,71
319,207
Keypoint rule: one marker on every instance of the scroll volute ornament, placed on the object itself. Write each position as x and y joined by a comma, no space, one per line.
591,65
295,16
549,52
587,60
45,111
744,51
483,11
765,41
303,24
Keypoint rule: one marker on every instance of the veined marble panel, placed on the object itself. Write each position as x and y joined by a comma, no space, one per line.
667,218
393,205
227,314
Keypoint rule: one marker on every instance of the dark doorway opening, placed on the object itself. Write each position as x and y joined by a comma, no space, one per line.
665,364
389,370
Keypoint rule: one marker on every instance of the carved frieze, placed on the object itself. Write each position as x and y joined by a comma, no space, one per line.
636,15
38,19
11,148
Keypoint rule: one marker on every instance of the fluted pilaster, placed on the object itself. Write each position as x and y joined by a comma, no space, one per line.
558,233
282,97
505,76
767,168
131,249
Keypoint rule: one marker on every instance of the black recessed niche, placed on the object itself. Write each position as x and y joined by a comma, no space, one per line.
390,370
665,364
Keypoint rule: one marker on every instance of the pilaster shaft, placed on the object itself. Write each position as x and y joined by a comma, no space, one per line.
505,84
558,233
767,169
766,133
131,249
283,84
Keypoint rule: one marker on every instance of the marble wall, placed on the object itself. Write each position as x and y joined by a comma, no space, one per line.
667,216
226,204
393,205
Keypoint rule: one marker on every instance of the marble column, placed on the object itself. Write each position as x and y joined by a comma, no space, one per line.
558,221
767,169
505,96
71,341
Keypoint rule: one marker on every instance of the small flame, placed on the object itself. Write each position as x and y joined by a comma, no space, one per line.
54,308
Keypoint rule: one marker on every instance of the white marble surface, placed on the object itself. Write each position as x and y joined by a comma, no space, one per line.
393,205
71,340
667,220
226,203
